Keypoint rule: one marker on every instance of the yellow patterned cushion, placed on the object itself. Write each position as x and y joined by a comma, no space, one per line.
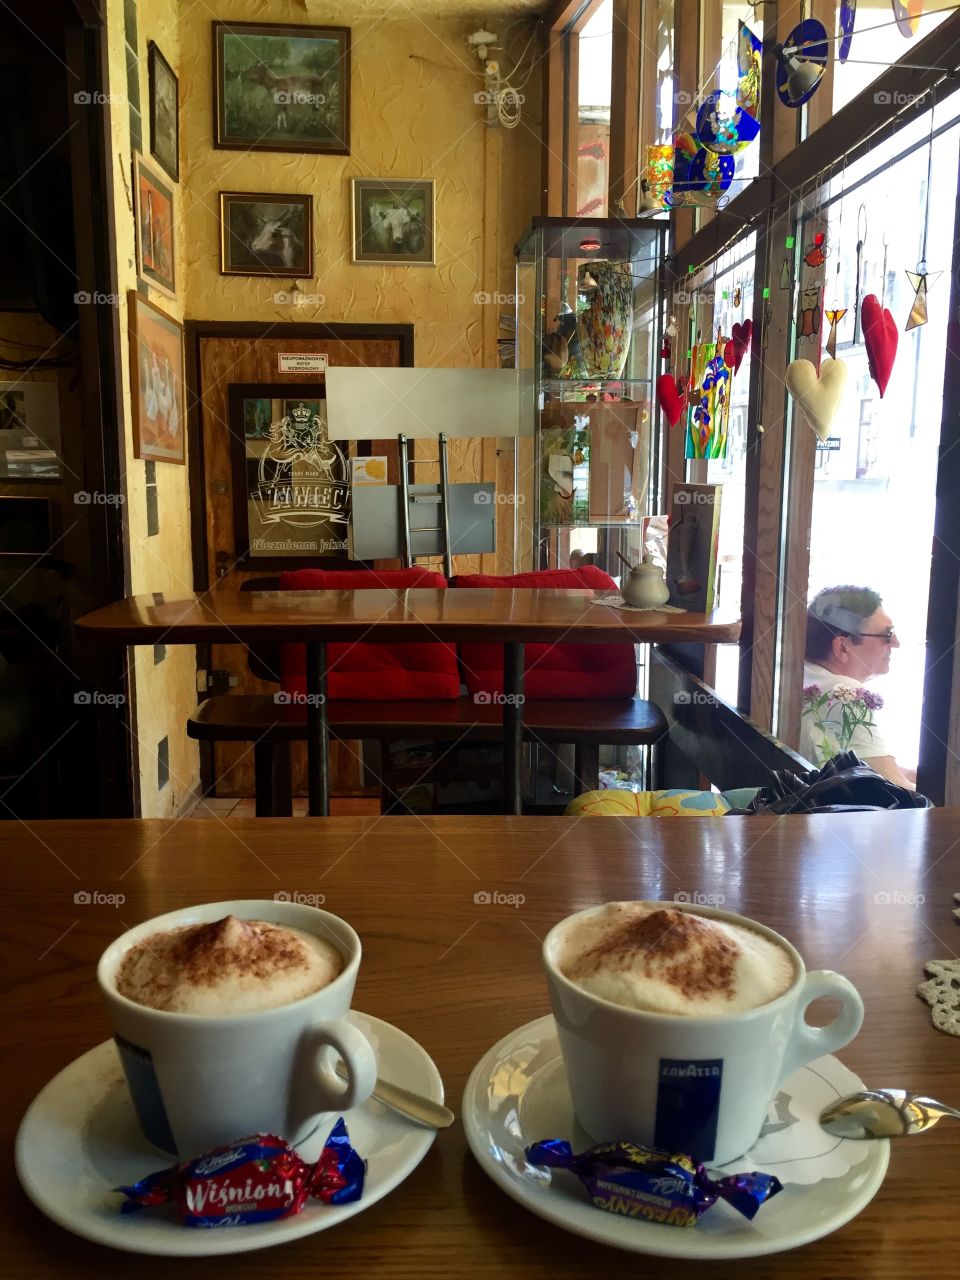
672,803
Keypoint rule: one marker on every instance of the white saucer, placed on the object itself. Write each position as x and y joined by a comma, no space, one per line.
80,1138
517,1094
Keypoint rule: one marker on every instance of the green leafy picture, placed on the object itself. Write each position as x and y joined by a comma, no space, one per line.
282,87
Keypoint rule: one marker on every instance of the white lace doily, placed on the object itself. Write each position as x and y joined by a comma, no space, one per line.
618,602
942,994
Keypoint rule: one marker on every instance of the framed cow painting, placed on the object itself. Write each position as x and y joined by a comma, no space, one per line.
393,221
266,235
281,87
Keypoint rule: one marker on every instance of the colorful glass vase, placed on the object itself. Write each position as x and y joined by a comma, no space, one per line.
605,326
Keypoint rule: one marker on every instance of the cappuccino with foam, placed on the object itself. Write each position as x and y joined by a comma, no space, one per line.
227,967
649,957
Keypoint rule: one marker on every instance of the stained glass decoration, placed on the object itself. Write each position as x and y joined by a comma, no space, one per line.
749,50
659,174
848,18
816,254
920,281
709,402
834,317
699,176
811,313
907,16
723,126
809,38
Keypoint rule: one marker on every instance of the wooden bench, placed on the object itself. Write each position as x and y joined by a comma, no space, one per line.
709,738
272,724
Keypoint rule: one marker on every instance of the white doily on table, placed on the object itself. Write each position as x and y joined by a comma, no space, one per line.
792,1144
618,602
942,994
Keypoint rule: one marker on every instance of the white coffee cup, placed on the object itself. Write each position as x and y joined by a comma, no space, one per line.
198,1081
695,1084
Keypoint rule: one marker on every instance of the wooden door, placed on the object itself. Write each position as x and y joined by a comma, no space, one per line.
219,356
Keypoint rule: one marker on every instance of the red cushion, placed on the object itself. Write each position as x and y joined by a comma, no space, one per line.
566,672
365,671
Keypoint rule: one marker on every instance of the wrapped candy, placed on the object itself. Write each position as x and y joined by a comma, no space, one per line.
254,1179
654,1185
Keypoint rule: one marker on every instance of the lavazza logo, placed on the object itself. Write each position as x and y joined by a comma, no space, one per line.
689,1071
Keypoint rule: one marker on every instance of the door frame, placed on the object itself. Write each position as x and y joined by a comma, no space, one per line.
195,331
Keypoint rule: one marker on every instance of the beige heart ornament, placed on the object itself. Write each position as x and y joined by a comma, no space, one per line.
818,397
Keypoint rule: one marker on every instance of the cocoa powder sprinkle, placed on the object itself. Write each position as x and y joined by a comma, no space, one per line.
671,946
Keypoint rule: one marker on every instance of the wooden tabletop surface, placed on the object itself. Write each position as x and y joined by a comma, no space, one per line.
868,894
495,613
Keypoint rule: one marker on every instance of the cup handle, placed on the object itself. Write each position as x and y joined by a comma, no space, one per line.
328,1091
806,1042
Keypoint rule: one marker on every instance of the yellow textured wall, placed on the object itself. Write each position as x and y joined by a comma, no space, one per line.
164,693
413,116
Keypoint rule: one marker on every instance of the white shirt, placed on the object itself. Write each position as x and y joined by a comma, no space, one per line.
821,727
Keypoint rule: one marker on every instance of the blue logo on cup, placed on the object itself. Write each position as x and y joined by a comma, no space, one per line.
688,1104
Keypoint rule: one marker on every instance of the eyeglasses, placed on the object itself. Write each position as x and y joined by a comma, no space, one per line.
887,637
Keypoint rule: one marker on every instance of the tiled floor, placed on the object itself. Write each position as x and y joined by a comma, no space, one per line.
234,807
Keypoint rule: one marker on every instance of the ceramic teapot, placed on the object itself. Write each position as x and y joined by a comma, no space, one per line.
646,587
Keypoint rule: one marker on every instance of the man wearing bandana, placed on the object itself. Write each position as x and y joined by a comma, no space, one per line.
850,639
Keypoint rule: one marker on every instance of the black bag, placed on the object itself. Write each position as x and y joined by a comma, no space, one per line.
844,785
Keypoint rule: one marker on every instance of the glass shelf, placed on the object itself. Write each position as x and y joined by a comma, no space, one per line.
590,289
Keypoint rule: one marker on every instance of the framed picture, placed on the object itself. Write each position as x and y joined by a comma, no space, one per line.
153,215
156,382
164,88
291,484
266,235
393,221
280,87
692,545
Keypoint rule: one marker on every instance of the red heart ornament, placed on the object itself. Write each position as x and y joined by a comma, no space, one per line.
880,337
738,344
670,398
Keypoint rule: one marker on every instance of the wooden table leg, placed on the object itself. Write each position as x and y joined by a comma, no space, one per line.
586,766
512,727
318,731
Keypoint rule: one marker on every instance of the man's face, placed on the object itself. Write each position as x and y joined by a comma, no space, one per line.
871,657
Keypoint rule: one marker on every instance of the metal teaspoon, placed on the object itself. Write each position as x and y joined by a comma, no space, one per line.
412,1105
883,1113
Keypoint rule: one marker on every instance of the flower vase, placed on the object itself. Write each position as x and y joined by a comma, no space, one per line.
605,327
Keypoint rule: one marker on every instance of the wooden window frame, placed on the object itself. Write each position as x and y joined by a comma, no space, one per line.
780,460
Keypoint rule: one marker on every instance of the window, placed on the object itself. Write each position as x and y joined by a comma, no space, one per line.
874,492
594,97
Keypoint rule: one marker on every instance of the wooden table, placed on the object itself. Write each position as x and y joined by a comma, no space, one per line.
227,616
458,976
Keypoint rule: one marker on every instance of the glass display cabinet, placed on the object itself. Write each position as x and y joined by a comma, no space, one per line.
588,340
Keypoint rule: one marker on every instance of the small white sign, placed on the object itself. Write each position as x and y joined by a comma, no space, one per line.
369,470
300,362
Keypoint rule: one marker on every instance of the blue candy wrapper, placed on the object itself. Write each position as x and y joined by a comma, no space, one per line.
657,1186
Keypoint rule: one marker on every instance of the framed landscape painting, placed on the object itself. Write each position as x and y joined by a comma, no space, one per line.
281,87
153,214
164,90
156,382
393,221
266,235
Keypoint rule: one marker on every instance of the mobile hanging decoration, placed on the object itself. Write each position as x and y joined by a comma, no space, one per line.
848,19
921,280
907,16
799,75
708,398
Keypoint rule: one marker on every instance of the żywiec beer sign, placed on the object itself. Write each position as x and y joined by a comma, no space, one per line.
296,479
